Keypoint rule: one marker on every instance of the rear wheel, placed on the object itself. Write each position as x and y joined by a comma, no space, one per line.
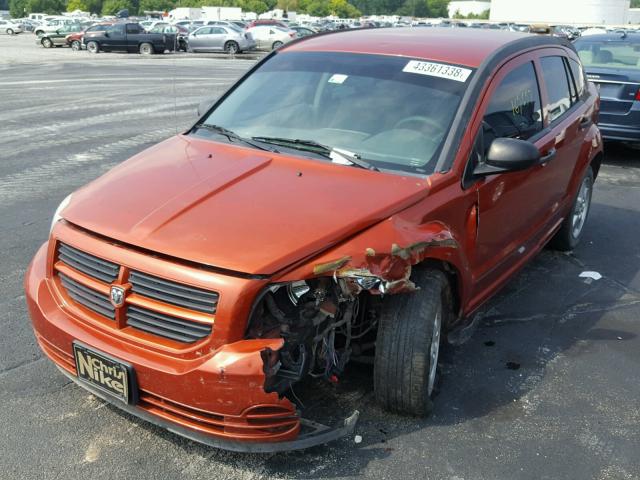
231,48
93,47
10,31
46,43
76,45
276,45
146,49
568,237
408,344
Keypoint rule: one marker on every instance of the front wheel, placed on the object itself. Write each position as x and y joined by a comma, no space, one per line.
93,47
568,237
46,43
146,49
10,31
76,45
408,344
276,45
231,48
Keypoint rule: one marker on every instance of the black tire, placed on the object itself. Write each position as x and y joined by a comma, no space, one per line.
93,47
76,46
145,49
568,237
46,42
408,326
276,45
39,32
231,48
10,31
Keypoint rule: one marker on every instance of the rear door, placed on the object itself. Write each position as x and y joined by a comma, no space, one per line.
217,38
567,122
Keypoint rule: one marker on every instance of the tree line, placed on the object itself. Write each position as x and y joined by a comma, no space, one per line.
318,8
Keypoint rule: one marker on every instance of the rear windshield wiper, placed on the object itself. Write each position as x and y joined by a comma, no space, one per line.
319,148
233,136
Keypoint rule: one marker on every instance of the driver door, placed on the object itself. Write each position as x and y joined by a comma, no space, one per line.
514,208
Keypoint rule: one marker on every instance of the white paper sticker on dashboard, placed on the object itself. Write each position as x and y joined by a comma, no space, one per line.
338,78
459,74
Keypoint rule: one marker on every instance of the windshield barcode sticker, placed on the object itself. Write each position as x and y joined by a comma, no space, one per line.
441,70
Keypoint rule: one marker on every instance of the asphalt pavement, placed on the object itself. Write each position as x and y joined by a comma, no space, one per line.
548,387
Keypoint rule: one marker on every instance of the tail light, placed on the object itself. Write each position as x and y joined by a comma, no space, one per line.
637,98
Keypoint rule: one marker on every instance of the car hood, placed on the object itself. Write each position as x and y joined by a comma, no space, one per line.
234,207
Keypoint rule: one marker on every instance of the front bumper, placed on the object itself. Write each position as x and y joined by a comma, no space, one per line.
216,397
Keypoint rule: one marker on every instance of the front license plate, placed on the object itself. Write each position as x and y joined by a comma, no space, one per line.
104,372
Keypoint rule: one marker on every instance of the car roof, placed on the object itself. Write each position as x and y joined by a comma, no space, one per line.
462,47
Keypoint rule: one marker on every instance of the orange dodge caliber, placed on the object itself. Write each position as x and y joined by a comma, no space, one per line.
356,195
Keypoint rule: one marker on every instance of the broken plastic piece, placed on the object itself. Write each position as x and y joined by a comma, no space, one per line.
591,275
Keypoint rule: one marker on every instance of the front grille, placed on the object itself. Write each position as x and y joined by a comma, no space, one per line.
165,326
88,264
89,298
173,293
150,297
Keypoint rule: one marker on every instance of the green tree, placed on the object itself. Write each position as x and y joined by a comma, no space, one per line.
438,8
111,7
318,8
73,5
53,7
156,5
18,8
635,3
414,8
343,9
257,6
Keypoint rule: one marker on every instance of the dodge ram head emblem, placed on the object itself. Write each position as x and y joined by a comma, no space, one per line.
117,296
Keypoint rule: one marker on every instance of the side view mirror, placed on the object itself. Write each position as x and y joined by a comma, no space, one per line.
205,105
106,34
508,155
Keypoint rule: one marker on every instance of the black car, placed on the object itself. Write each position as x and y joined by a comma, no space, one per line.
612,62
128,37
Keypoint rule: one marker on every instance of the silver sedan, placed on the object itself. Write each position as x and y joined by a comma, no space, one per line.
218,38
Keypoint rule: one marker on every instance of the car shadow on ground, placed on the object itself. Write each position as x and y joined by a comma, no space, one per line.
545,312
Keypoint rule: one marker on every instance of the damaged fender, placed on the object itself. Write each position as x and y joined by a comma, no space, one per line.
385,254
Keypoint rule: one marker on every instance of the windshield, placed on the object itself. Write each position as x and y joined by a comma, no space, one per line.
609,53
363,104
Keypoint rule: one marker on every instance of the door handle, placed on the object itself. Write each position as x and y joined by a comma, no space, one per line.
550,154
585,122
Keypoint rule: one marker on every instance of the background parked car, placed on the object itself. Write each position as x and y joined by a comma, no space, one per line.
303,31
57,38
612,62
217,38
54,24
269,37
75,40
127,37
176,35
9,27
276,23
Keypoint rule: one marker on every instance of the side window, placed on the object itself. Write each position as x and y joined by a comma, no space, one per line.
133,28
218,31
555,78
514,109
116,29
578,77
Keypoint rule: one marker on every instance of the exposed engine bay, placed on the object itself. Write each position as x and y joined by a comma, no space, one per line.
324,325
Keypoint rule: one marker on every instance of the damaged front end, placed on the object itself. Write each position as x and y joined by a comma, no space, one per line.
323,325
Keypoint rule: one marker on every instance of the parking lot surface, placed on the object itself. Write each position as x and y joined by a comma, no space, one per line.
546,388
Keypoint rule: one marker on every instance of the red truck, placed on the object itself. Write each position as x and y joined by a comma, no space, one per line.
389,184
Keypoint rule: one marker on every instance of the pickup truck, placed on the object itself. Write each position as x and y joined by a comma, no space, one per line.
128,37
